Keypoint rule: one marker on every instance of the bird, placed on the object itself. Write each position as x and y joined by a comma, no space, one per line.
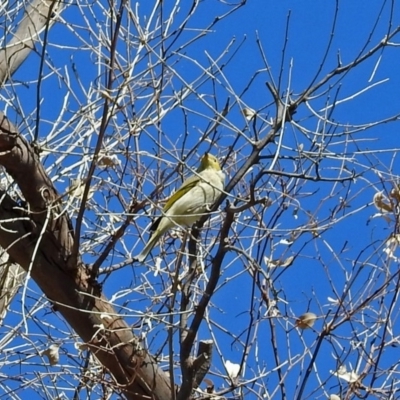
189,203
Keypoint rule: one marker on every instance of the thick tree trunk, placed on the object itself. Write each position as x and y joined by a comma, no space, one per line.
39,238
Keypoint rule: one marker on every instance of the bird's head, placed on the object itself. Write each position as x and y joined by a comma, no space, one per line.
209,161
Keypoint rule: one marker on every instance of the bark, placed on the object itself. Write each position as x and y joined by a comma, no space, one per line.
36,18
202,363
40,239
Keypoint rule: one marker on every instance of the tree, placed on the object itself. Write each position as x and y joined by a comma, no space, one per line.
287,288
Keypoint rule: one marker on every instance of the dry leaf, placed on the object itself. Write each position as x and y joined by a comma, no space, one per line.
210,385
232,369
52,354
342,373
306,320
248,113
381,202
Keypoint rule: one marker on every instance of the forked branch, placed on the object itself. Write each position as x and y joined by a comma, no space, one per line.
68,286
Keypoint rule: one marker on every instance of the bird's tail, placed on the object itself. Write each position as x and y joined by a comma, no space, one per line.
147,249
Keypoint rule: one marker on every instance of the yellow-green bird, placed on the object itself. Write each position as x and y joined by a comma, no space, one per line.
189,203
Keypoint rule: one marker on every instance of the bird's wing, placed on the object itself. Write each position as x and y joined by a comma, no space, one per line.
187,185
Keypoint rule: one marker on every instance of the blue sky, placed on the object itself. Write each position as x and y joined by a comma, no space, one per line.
322,265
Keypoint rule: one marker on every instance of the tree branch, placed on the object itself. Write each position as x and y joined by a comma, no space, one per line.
202,363
37,16
69,287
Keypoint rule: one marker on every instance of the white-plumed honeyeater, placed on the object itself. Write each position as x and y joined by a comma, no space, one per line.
189,203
